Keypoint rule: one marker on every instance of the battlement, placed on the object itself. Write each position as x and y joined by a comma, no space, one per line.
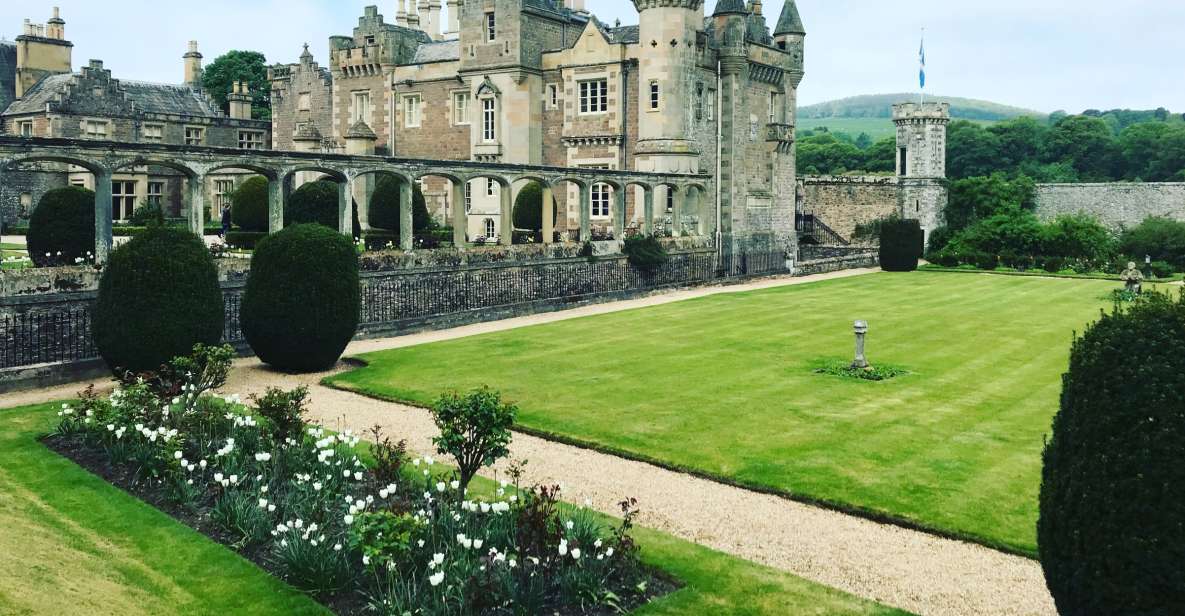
921,111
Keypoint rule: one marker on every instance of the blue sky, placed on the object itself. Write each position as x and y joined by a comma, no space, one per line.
1041,54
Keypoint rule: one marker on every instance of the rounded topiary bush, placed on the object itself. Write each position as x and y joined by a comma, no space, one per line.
159,296
63,222
300,309
1111,531
249,205
316,202
901,245
384,206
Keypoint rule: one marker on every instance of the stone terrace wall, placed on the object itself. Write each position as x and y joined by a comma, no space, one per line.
1116,205
842,202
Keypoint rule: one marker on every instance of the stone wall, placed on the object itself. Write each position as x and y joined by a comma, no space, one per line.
842,202
1116,205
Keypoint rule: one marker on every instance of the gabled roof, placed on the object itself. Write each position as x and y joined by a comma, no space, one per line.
789,22
437,51
623,35
155,98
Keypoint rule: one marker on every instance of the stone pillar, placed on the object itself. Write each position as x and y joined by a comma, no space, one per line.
460,217
506,235
648,212
619,214
197,204
585,206
360,140
454,16
547,211
677,209
407,231
103,240
434,28
275,205
345,218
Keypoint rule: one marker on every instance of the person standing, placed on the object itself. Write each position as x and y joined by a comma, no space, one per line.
225,221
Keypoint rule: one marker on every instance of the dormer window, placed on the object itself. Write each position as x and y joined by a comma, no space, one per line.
491,27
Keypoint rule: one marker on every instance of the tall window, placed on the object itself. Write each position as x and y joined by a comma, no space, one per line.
26,128
411,111
491,27
710,104
194,135
156,192
600,200
250,140
154,133
222,191
553,95
699,101
903,163
491,187
468,198
460,108
491,230
670,199
360,107
774,107
487,120
123,200
96,129
654,99
594,96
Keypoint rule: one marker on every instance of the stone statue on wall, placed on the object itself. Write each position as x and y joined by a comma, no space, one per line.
1133,279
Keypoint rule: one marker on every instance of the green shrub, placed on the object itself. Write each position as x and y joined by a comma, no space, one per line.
939,238
64,222
300,309
474,429
249,205
244,239
158,297
1081,238
1160,238
528,208
384,206
316,202
645,252
1161,269
284,411
901,245
1110,532
147,215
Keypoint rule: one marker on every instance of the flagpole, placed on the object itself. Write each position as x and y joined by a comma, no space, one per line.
922,82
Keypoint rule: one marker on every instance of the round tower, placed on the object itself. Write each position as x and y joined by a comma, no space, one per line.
666,66
921,162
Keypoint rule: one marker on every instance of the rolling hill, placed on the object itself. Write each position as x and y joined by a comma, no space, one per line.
872,113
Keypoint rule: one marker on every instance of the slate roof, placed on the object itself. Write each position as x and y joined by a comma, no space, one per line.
437,51
789,22
623,35
44,92
157,98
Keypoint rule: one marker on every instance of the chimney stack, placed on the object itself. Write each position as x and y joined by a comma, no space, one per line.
414,18
55,28
454,17
433,26
240,101
193,66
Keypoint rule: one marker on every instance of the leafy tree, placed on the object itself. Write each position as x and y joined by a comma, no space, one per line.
971,151
863,141
1140,143
1086,143
1169,162
1020,140
1162,239
827,154
881,156
249,66
474,429
1079,237
974,199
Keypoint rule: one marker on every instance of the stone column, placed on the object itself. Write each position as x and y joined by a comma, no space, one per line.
197,204
103,240
619,214
585,206
677,209
275,205
345,218
648,211
407,232
460,217
360,140
547,211
506,235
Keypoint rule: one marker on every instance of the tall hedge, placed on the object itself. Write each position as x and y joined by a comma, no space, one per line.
384,206
300,309
316,202
901,245
64,221
528,208
249,205
1111,531
158,296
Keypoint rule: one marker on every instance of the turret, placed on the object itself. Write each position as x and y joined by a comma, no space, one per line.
667,32
921,139
193,66
790,34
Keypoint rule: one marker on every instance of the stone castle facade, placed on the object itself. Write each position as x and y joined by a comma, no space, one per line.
544,82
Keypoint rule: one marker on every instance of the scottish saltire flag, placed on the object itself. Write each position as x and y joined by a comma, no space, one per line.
922,58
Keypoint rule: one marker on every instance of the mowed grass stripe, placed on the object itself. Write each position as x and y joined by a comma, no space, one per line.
723,385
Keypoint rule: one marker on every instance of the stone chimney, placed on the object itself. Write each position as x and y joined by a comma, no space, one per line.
240,101
193,66
415,20
42,50
454,17
401,13
433,26
576,5
55,28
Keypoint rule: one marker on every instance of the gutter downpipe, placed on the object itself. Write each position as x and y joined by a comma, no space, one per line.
719,153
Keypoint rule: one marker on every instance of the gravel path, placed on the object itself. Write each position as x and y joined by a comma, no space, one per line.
894,566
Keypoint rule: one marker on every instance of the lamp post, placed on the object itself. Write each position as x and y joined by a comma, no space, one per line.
860,363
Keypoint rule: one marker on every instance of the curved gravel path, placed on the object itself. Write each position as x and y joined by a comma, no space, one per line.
903,568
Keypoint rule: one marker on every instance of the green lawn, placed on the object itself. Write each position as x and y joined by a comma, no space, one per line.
723,385
74,544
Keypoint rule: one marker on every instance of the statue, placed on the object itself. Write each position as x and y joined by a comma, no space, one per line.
1133,279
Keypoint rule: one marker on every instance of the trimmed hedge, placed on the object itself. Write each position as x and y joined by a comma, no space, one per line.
300,309
1110,532
528,208
159,296
244,239
902,242
249,205
316,202
644,252
384,206
64,222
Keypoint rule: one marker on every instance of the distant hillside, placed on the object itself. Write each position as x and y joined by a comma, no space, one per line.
881,106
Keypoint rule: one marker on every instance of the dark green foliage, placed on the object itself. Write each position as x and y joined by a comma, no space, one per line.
1081,238
1161,238
474,429
148,215
284,411
1110,532
244,239
901,245
249,205
977,198
645,252
64,222
384,206
1160,269
1087,144
249,66
939,238
528,208
971,150
316,202
841,368
158,297
300,309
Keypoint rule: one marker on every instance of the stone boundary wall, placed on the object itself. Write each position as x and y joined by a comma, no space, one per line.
1116,205
842,202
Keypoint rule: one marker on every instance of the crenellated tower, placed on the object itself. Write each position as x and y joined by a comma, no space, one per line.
921,161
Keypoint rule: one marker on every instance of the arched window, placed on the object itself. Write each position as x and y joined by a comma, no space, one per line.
491,229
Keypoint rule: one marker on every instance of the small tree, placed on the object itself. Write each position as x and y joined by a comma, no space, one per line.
64,222
249,205
474,429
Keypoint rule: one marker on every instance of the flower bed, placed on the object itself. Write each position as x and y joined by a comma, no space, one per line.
363,529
